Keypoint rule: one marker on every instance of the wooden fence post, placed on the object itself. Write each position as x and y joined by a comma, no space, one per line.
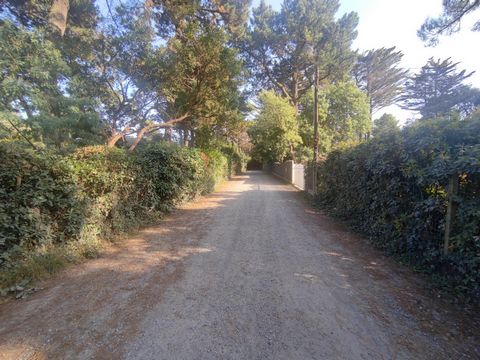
451,208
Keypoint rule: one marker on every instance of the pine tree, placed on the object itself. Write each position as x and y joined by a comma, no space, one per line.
449,21
377,72
283,48
436,90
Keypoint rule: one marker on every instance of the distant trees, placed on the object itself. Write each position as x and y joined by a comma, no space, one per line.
449,21
377,72
283,48
343,116
384,125
347,114
274,133
437,89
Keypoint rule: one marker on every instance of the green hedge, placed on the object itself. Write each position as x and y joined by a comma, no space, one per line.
95,193
394,189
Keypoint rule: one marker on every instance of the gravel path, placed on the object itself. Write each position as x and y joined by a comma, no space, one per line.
249,272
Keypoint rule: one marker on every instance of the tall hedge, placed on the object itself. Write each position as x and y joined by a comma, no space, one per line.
95,192
394,189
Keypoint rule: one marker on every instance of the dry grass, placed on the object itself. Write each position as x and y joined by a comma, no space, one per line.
49,260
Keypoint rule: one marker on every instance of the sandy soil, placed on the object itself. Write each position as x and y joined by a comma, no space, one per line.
249,272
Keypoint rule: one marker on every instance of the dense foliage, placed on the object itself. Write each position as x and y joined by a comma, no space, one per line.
274,133
94,193
394,189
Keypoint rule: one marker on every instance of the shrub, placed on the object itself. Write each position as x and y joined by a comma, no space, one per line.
39,201
48,200
237,159
394,189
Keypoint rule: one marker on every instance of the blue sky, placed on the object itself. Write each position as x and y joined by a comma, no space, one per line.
386,23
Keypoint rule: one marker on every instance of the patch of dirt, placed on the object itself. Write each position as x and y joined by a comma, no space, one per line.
412,296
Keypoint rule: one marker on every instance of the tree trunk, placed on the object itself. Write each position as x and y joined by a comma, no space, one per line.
192,138
58,15
185,138
139,137
168,134
112,140
292,153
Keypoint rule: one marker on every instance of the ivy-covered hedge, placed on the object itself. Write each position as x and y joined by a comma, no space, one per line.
95,193
394,189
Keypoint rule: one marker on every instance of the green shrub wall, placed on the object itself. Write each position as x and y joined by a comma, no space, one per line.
47,199
394,189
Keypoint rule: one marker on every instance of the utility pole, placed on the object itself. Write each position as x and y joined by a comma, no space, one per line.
315,131
315,117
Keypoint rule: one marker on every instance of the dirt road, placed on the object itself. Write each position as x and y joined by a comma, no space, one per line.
249,272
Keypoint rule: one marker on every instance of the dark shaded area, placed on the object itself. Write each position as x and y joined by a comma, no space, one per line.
254,165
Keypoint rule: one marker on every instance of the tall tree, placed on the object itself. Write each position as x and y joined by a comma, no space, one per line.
377,72
34,90
449,21
282,48
197,73
437,89
198,77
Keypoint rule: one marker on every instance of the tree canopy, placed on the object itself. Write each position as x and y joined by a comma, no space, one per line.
449,21
437,89
123,73
384,125
275,131
377,72
282,49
